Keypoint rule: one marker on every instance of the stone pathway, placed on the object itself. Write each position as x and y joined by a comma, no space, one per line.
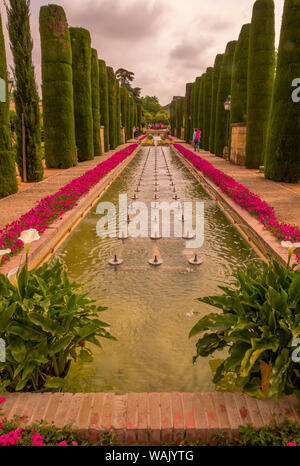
12,207
285,198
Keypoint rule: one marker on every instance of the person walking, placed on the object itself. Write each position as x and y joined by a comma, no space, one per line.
196,139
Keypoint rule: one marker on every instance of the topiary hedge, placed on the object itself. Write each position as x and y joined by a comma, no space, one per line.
260,80
112,106
201,108
8,181
96,103
282,161
187,114
82,55
238,112
207,102
224,90
124,107
215,86
104,107
57,88
118,114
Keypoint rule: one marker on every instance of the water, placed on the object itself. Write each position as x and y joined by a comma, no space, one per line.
151,310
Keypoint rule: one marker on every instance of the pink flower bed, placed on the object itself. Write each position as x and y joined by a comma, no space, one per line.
244,198
143,137
50,208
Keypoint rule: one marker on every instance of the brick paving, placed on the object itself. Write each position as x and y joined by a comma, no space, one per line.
149,418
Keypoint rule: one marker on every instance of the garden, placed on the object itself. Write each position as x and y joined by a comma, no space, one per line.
149,254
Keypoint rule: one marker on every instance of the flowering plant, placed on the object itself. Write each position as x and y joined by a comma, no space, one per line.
51,208
244,198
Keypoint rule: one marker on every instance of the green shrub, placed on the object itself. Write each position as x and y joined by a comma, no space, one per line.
258,323
187,114
112,103
96,103
282,161
215,85
57,88
238,112
104,108
82,59
207,102
261,74
200,124
118,113
45,324
224,90
8,181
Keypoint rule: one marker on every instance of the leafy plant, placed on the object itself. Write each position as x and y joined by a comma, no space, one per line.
259,322
45,324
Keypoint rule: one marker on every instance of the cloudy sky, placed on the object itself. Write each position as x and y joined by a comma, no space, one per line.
166,43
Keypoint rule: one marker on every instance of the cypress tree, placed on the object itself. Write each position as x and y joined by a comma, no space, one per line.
179,115
193,106
187,114
82,59
8,180
124,108
118,114
26,95
207,98
224,90
197,113
215,86
173,115
260,80
238,112
57,88
104,109
201,108
112,106
128,122
282,162
96,103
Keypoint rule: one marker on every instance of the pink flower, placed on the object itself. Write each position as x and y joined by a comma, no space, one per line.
63,444
291,444
37,440
2,400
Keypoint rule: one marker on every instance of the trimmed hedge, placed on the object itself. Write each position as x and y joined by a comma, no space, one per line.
104,107
8,181
224,90
187,114
201,108
118,113
112,101
81,51
124,108
240,77
282,162
207,102
96,103
215,86
260,80
179,115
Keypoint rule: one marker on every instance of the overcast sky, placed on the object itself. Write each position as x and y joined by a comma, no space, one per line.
166,43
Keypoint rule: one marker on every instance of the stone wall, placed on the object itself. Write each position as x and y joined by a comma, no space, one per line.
238,143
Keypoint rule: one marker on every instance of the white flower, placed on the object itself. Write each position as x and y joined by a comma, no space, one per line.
3,252
13,276
289,245
29,236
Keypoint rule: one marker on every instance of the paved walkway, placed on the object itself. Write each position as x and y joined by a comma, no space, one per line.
285,198
12,207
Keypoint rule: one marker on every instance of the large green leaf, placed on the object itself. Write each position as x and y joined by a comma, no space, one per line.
214,322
